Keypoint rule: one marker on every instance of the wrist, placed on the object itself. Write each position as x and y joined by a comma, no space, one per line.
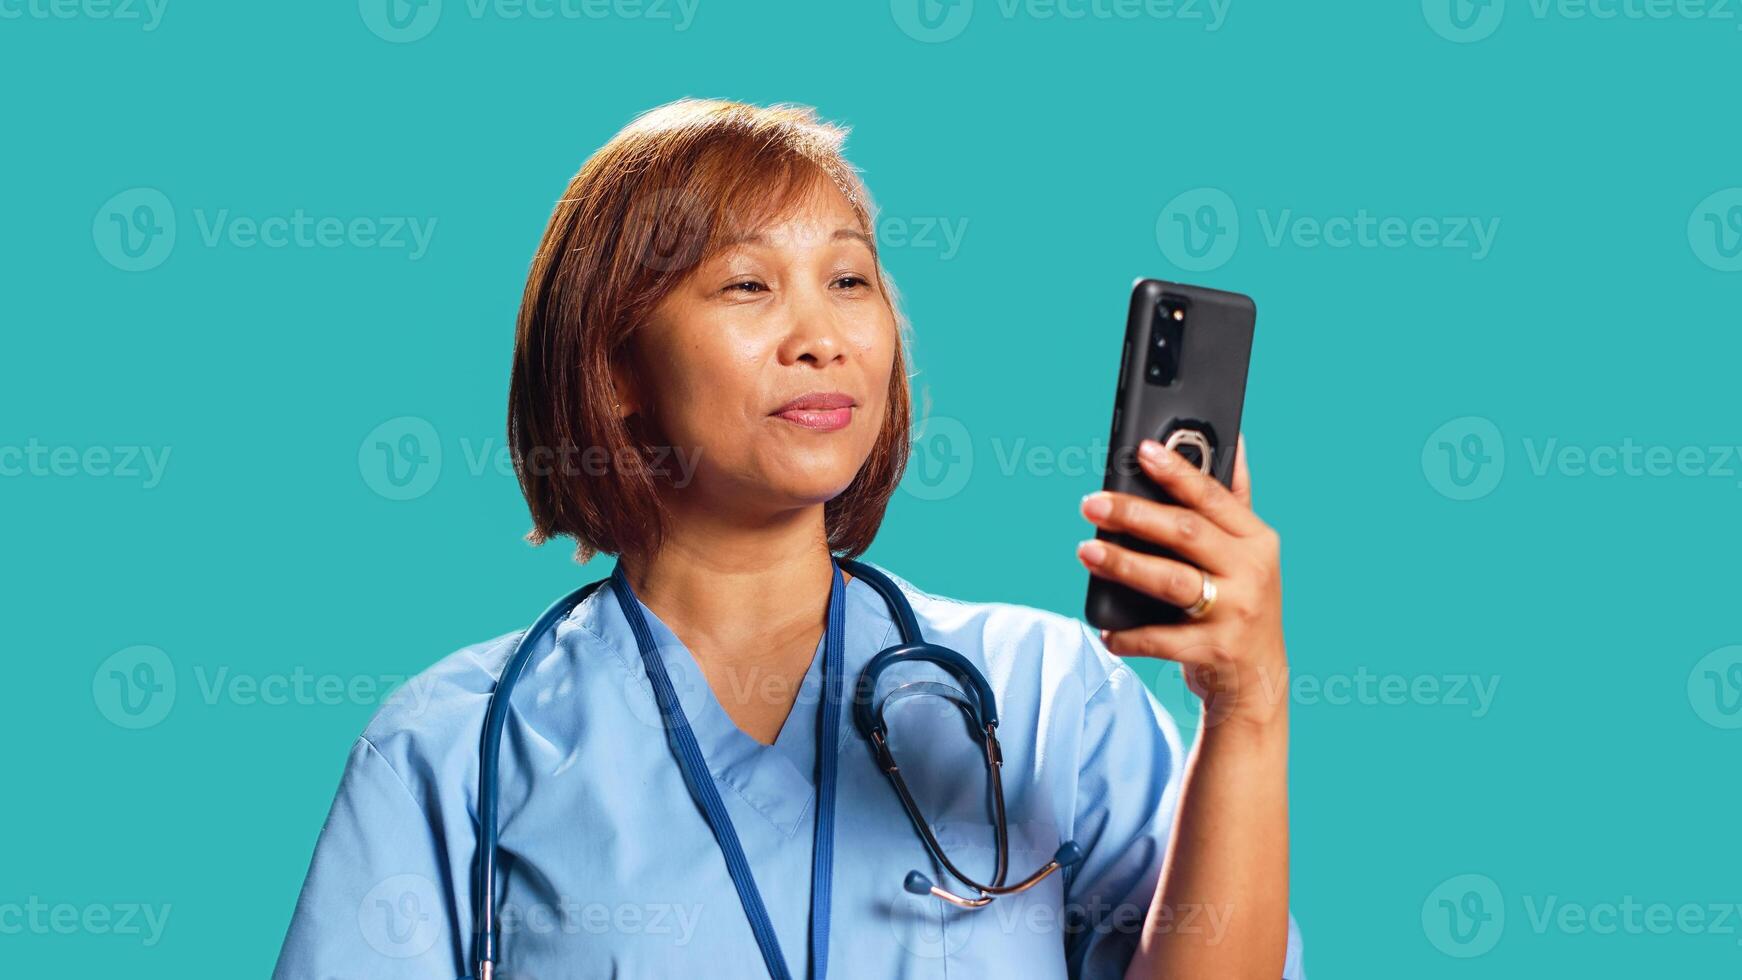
1246,734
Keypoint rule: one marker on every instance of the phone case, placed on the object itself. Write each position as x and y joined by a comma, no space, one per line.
1202,356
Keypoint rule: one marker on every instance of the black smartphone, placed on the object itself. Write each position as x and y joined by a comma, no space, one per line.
1182,382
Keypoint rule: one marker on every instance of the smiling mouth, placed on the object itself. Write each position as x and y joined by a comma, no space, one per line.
822,420
818,412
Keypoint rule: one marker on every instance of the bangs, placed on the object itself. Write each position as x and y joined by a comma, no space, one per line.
746,207
715,173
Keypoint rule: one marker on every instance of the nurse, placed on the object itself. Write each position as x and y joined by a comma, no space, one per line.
710,384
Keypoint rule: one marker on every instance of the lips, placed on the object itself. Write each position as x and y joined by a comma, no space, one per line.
820,411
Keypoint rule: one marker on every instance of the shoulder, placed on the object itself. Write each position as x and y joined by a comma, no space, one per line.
1016,640
435,719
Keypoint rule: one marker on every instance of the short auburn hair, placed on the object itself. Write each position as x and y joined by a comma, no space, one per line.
666,193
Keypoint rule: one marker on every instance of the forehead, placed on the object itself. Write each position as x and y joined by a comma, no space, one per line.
820,215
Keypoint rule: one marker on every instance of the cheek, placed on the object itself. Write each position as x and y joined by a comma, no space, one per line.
702,382
878,356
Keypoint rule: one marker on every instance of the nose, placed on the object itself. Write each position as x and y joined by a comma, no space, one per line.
814,331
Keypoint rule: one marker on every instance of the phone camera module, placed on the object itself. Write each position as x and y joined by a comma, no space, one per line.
1166,334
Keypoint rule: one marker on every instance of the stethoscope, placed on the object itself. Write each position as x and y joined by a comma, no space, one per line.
974,699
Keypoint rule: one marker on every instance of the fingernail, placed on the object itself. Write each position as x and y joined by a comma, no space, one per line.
1092,551
1097,505
1151,450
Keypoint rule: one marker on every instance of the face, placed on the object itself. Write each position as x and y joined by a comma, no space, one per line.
770,364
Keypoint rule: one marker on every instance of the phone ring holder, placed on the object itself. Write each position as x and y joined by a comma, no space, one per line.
1195,439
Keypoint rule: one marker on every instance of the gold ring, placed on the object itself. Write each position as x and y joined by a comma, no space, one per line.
1206,599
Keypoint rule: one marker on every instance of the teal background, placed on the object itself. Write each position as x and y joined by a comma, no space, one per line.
1604,315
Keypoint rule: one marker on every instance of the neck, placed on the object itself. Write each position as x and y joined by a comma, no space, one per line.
735,593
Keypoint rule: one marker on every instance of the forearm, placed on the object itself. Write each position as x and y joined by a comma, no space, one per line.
1221,907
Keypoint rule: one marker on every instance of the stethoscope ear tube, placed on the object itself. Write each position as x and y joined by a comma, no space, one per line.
982,703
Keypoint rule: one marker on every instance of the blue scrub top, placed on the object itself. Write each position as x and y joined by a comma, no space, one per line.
609,867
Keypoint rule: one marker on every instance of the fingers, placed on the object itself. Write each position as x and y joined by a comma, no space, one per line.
1242,476
1196,490
1187,533
1170,581
1186,644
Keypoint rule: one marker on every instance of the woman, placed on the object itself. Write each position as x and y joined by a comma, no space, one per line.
709,383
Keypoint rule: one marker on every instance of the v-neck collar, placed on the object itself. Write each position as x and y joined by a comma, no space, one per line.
776,780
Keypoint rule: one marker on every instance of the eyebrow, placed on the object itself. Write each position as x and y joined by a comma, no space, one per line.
753,238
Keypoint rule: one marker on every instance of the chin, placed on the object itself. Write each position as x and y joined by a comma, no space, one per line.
817,492
809,484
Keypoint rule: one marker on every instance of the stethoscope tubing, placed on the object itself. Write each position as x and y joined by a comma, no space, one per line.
982,709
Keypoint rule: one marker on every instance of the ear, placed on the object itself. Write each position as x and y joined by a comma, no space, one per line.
626,394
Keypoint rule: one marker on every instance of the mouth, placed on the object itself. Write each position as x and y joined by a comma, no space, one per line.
819,411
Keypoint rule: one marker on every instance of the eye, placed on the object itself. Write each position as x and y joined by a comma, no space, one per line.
745,286
852,280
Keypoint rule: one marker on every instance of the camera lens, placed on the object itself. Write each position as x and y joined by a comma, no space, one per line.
1166,333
